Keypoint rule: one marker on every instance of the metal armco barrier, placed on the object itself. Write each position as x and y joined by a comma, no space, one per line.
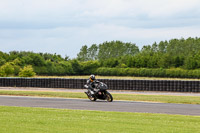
113,84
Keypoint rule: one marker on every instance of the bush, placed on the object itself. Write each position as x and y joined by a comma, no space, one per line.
67,68
77,69
147,72
2,73
7,69
27,71
89,67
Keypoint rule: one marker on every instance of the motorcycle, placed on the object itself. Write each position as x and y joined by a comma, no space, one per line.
99,92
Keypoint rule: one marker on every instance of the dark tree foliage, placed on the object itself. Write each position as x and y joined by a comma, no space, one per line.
173,58
107,50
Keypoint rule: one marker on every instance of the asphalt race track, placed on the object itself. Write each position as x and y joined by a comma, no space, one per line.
85,104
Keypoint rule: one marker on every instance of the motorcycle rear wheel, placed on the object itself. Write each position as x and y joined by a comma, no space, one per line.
109,97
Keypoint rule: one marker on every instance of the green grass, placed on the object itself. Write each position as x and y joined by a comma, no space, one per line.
47,120
130,97
159,98
43,94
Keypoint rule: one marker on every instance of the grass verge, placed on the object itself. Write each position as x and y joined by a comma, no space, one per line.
130,97
40,120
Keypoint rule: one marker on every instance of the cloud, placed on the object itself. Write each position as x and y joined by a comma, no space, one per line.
64,26
66,10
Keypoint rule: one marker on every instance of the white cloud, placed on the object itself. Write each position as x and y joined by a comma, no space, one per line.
63,26
167,8
62,9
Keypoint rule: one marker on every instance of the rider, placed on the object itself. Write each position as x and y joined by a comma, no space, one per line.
91,84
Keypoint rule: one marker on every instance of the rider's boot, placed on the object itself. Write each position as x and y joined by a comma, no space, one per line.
91,92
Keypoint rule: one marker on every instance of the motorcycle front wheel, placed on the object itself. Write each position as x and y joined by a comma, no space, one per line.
109,97
92,98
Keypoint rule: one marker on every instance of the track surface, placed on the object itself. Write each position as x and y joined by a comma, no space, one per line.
84,104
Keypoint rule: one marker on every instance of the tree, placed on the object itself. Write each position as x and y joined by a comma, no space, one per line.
2,61
116,49
82,55
66,58
37,60
107,50
162,47
92,52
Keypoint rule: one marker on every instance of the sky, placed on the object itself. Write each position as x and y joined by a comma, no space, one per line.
64,26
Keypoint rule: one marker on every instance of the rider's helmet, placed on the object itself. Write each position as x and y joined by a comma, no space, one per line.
92,78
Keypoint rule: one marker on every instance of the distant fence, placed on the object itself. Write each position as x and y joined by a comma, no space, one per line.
114,84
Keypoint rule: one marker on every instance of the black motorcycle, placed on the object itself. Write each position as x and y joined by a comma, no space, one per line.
99,92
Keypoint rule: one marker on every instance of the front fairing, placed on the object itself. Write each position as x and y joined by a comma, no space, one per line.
102,86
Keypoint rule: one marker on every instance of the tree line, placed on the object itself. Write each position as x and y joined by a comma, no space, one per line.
175,53
173,58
